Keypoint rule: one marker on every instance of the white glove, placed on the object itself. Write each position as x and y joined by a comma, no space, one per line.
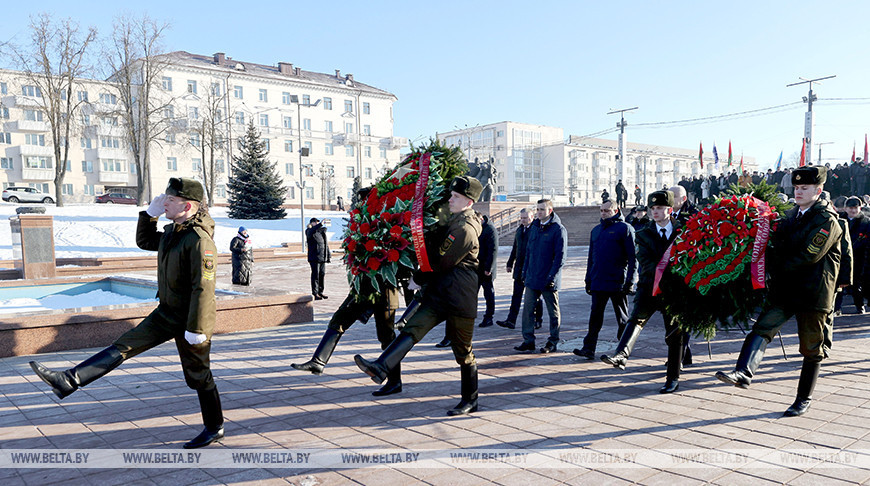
155,209
412,285
194,338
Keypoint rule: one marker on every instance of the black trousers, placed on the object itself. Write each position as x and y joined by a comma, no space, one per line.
485,283
517,301
318,272
350,310
596,315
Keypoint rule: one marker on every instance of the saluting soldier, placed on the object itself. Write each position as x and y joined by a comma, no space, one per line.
449,293
652,242
186,311
805,258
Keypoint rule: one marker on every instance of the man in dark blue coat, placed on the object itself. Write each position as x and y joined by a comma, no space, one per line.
515,267
611,274
487,268
542,273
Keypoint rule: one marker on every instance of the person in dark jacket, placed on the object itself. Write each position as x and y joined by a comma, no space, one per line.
449,293
605,196
318,255
515,266
542,274
611,274
683,209
638,218
186,312
621,194
487,269
805,255
243,257
638,195
859,233
652,242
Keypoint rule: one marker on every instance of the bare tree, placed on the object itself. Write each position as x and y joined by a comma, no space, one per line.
136,59
54,63
209,128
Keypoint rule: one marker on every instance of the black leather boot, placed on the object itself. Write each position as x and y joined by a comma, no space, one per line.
806,384
321,354
393,384
468,404
675,358
63,383
750,358
212,418
626,345
380,368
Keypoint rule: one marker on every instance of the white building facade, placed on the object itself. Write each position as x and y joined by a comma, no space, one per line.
345,128
535,161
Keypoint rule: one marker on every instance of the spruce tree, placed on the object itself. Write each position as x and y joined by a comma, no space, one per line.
255,187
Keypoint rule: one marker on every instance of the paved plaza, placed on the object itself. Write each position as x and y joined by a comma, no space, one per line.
596,424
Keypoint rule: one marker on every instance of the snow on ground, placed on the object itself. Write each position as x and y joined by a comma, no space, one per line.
57,301
109,230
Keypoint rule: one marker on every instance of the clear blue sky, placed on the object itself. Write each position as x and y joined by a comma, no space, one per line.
564,64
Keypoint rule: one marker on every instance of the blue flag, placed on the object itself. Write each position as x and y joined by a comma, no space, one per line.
779,161
715,155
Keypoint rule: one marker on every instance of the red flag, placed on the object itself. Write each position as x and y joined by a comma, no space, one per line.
803,160
729,153
701,154
742,170
853,152
865,148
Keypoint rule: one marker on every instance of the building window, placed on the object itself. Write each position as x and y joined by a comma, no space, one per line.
86,143
171,163
240,118
291,193
288,168
367,130
264,120
348,128
191,86
308,170
306,100
110,142
68,166
348,150
327,126
350,172
87,166
285,98
170,138
34,91
348,106
66,189
4,112
5,138
220,190
367,108
167,83
309,193
110,121
368,172
216,89
33,162
133,168
82,95
34,139
306,123
288,122
112,165
288,145
267,145
169,112
264,95
6,163
3,88
193,113
195,140
237,92
308,146
108,98
383,153
328,149
219,165
196,165
33,115
327,103
368,151
88,190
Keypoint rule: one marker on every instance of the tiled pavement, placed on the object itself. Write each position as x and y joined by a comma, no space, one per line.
533,402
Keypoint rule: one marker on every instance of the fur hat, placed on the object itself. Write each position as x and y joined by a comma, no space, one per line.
661,198
186,188
468,186
813,175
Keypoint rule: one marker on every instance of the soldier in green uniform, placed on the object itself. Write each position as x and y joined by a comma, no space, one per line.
652,241
449,293
355,309
804,257
186,311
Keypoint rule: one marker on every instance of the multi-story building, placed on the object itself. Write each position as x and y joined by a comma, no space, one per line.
534,161
321,130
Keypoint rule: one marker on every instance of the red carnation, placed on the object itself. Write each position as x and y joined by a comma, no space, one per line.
370,245
393,256
351,245
373,263
396,230
365,228
406,218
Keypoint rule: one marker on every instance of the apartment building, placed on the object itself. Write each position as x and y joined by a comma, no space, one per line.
322,130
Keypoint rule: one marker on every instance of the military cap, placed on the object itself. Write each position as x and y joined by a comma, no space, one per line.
186,188
468,186
661,198
854,202
814,175
640,208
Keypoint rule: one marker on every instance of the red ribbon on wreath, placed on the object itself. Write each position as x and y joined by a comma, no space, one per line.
417,214
761,237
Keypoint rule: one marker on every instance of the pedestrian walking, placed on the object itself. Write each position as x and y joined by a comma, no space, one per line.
242,252
486,271
515,267
318,255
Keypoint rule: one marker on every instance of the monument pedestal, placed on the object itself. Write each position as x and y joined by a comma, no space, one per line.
33,245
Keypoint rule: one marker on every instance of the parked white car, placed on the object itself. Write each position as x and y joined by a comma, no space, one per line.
26,194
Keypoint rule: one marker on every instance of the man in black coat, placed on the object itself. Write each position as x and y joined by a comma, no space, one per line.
611,272
515,267
621,194
859,233
318,255
487,267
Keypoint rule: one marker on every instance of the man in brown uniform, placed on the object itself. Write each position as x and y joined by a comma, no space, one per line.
805,257
449,293
186,312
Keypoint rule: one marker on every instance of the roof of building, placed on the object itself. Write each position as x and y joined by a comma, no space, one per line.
284,71
604,143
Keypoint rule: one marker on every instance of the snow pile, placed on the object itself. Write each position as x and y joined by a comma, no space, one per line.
94,298
109,230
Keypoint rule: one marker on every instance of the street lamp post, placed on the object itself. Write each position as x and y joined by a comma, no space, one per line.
294,99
